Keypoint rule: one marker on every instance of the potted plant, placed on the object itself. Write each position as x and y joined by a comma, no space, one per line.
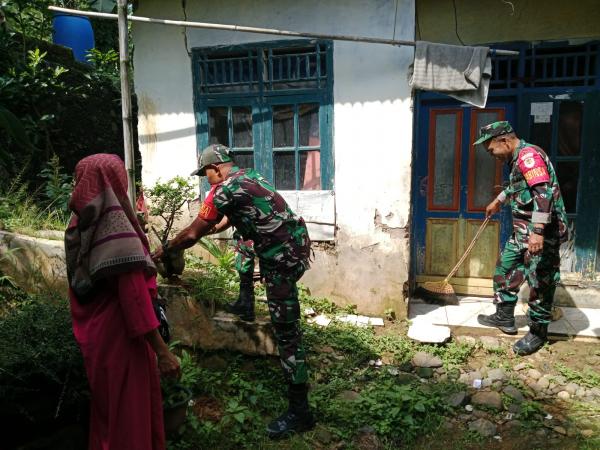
166,202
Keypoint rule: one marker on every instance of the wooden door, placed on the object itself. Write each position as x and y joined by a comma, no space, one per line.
455,183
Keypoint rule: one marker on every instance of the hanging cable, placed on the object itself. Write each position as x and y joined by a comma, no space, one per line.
417,22
395,20
456,23
185,36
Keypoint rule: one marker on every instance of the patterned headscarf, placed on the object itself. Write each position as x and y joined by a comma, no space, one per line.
104,237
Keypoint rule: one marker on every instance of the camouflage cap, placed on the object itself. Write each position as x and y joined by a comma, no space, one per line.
492,130
213,154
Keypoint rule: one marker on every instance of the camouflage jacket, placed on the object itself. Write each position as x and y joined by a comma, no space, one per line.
534,193
259,213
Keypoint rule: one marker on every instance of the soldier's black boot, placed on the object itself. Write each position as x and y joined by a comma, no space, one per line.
532,341
503,318
244,305
298,417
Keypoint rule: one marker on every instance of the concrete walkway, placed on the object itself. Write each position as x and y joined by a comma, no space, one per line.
580,322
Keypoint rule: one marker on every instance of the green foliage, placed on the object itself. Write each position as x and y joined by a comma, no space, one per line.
14,129
166,200
107,66
20,211
212,284
588,377
530,409
30,18
58,186
39,358
50,104
222,252
321,305
397,412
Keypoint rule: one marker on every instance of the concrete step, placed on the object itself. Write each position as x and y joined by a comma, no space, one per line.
580,322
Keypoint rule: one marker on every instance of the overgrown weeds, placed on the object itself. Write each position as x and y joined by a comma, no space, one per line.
587,377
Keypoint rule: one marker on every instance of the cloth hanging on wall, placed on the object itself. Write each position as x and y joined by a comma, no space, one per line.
461,72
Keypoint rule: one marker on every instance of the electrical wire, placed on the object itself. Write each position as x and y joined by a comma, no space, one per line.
395,20
456,23
185,36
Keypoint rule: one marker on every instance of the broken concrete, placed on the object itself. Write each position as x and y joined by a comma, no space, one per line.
428,333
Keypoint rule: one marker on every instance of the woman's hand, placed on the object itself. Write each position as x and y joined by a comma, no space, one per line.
168,364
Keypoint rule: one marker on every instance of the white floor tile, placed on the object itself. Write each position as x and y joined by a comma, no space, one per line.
575,321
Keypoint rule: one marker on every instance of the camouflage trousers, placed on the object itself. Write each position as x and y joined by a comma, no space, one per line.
284,307
542,273
244,257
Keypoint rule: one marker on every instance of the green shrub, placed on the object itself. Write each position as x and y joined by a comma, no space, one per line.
166,200
57,187
39,358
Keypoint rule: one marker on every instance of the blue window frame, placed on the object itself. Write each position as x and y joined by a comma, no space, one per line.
271,103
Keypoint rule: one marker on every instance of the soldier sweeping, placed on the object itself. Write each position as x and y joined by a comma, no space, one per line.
539,227
281,243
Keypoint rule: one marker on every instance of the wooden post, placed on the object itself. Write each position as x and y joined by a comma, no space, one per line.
126,99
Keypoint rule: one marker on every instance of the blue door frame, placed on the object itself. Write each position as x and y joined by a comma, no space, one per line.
420,211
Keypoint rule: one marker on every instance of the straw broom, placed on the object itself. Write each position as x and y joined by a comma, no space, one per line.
442,291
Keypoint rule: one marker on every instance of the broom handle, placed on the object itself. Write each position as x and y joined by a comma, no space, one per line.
468,250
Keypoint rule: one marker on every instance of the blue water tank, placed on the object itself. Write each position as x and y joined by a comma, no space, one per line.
74,32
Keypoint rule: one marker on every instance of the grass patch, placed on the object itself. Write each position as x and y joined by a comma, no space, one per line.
588,377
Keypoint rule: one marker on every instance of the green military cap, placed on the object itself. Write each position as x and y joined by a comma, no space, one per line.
213,154
492,130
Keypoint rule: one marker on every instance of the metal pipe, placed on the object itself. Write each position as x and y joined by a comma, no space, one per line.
126,99
244,29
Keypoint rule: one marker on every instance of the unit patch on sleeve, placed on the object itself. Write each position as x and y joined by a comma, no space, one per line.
533,167
208,210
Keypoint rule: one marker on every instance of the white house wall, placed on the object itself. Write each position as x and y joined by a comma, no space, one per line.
372,134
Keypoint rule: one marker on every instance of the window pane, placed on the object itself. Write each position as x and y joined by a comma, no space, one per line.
568,176
445,147
310,170
569,128
217,126
308,124
242,126
244,160
283,126
284,170
485,166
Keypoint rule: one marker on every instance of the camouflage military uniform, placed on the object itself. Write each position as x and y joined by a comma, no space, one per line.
534,196
244,255
282,245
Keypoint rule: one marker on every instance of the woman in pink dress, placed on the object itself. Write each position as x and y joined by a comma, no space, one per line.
112,280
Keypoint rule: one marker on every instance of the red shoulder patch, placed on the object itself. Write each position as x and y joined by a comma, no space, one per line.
533,167
208,210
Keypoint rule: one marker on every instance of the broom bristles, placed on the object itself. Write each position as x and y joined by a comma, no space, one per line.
438,287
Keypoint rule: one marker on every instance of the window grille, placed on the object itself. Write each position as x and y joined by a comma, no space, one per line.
547,66
262,69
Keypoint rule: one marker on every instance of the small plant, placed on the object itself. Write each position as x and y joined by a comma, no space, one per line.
166,202
587,377
390,314
223,254
107,65
58,186
21,212
530,409
174,390
210,283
